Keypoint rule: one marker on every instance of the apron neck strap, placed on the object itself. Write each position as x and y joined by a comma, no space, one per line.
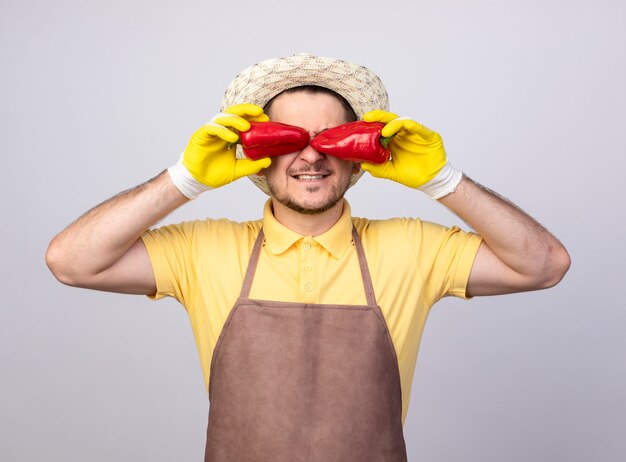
365,274
252,263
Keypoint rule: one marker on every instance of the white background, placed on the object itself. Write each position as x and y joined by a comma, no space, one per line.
98,96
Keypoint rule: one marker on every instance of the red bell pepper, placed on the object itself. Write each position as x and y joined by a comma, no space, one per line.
268,139
356,141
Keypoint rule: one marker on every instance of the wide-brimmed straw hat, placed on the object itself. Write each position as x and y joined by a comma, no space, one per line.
259,83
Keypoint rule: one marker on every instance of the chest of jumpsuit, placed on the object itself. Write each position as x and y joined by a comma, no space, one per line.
304,382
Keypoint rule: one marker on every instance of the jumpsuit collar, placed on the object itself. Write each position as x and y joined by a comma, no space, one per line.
336,240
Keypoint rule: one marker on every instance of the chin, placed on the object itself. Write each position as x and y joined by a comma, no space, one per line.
313,200
306,207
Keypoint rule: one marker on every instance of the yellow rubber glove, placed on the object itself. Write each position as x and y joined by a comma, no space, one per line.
209,160
417,153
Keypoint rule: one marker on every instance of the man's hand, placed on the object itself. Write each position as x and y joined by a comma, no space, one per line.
209,160
418,159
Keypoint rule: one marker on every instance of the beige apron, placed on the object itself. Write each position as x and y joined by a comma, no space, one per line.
295,382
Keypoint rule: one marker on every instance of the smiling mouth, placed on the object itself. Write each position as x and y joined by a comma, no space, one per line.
309,177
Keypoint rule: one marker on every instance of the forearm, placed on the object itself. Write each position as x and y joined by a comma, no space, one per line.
516,239
100,237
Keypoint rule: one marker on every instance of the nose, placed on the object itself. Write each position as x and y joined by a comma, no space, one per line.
310,155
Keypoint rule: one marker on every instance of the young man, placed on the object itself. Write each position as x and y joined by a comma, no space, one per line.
308,321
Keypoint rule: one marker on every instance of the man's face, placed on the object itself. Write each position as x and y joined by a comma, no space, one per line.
307,181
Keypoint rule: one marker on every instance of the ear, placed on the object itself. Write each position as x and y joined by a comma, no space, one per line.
356,167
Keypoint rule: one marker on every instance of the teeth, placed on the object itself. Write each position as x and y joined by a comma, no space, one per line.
310,177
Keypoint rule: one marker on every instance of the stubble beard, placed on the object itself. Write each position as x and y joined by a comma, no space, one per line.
336,194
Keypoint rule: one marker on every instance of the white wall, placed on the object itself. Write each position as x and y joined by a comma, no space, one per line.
529,97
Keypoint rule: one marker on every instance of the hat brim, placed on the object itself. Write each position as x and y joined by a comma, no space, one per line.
261,82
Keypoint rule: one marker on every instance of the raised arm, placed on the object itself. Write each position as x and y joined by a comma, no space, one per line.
103,250
517,254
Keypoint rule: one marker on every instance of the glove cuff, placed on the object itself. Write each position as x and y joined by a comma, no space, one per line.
444,183
186,184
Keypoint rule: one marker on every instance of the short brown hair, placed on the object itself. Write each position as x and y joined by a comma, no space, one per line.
315,89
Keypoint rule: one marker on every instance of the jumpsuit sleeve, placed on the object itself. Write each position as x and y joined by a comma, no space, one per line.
170,252
445,256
